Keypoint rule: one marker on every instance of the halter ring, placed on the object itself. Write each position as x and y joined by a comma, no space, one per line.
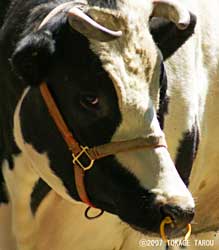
87,216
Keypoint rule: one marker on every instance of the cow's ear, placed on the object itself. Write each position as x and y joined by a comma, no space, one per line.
32,56
168,36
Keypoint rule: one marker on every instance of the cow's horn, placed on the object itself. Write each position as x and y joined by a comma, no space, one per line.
54,12
173,11
82,23
90,28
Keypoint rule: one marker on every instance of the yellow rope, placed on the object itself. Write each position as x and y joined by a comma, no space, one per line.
168,220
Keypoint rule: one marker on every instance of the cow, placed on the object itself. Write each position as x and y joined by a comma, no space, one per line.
103,62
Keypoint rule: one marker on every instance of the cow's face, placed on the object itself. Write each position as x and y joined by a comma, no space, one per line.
106,91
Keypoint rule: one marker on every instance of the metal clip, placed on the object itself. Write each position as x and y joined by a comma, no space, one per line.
77,161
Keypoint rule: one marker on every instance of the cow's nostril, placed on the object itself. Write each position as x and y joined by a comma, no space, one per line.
179,215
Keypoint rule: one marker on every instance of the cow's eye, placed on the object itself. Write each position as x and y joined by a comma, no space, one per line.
89,101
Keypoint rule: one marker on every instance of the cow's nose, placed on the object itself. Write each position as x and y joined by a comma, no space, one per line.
180,216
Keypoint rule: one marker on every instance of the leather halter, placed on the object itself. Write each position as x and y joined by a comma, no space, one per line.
94,153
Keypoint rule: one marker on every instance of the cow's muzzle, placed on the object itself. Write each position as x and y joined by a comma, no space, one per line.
179,220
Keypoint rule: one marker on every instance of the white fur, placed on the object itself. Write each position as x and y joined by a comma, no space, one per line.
7,241
20,187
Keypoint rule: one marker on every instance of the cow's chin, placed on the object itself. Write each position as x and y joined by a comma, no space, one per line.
147,222
148,230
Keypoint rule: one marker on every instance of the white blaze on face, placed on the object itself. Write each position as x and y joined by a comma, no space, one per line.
133,64
152,167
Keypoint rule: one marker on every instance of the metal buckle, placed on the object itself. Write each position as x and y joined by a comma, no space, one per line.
76,158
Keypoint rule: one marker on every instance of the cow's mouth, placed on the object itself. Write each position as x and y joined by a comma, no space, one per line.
157,224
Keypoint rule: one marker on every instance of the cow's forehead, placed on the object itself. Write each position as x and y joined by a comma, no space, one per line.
121,4
131,61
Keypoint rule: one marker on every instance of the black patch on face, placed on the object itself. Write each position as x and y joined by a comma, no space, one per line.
168,37
40,191
187,151
75,71
164,99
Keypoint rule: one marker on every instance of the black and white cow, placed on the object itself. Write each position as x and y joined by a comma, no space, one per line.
108,90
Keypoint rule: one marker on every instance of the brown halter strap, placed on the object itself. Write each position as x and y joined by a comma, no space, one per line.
94,153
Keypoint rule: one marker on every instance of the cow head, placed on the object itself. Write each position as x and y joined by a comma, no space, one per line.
106,83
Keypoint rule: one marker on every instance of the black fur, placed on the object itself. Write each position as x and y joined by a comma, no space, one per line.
168,37
187,150
32,56
164,99
7,146
4,4
40,191
14,27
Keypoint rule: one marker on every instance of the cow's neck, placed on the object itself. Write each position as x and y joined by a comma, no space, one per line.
70,228
205,174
